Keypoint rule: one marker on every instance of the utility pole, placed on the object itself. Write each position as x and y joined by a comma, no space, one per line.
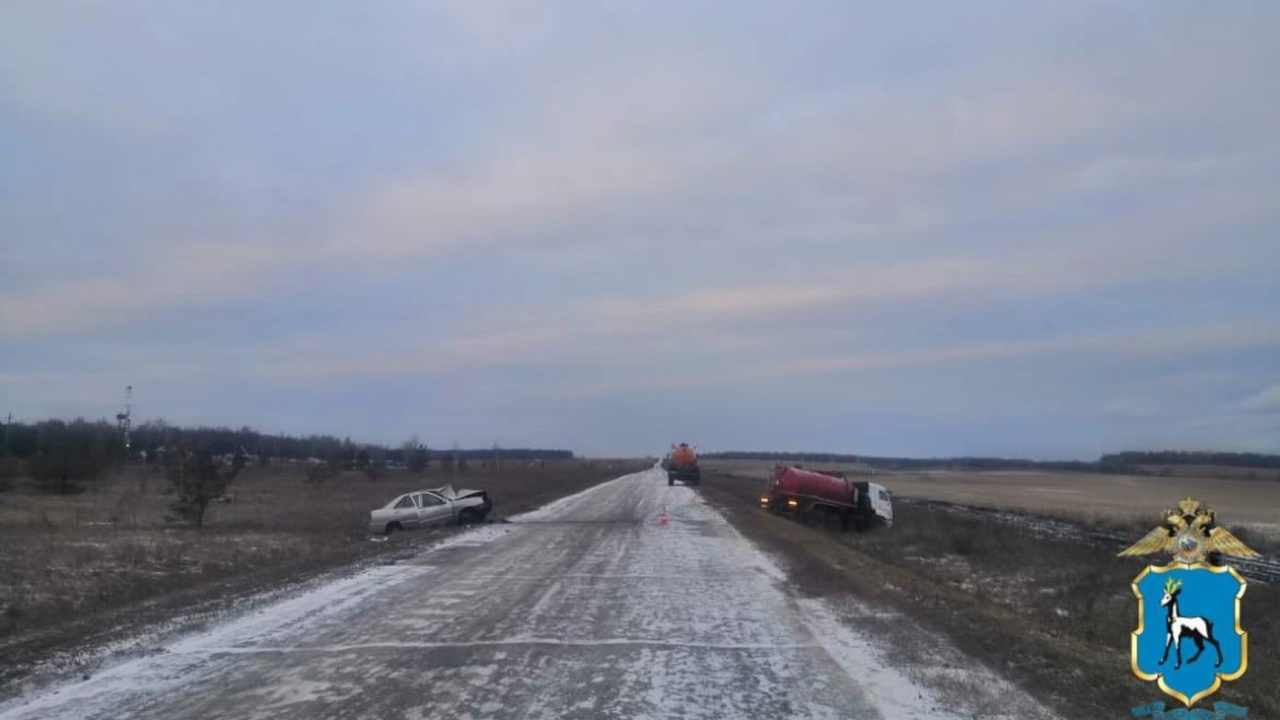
8,421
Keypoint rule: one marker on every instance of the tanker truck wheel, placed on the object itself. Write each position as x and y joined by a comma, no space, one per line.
815,516
827,516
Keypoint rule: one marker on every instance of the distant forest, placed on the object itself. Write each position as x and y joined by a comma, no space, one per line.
1128,462
1182,457
103,439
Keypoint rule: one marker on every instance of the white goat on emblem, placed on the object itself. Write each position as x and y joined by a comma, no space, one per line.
1176,627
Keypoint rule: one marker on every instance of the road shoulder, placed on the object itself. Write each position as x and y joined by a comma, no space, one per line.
900,613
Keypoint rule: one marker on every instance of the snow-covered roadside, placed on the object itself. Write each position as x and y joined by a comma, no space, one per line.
175,651
909,693
180,660
69,667
912,692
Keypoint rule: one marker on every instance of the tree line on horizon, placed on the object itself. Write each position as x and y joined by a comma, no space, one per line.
1193,457
30,440
1127,462
61,455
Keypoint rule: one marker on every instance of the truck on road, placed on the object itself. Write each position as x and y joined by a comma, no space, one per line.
682,464
824,498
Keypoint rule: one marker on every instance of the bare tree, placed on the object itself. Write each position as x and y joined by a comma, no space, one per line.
198,479
407,449
415,455
376,469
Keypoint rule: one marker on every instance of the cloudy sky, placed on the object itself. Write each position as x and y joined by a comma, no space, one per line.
1044,229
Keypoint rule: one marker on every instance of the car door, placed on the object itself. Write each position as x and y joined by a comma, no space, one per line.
405,512
433,509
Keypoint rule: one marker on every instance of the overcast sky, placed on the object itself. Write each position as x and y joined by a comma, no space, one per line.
1042,229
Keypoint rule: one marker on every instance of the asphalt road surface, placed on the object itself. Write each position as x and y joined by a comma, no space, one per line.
589,608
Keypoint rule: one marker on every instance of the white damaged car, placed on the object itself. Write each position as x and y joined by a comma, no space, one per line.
426,508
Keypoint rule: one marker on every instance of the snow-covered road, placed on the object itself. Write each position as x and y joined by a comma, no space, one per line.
587,608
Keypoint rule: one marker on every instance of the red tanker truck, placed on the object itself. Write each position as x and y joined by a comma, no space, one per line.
817,497
682,464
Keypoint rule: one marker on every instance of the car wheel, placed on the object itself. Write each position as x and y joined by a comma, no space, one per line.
394,527
466,517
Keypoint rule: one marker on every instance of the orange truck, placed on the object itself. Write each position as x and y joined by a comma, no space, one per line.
682,464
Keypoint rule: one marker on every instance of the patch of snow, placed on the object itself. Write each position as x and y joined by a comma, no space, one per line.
890,689
897,690
556,508
183,660
472,537
504,642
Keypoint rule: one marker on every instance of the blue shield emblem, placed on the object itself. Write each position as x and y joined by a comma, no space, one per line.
1189,637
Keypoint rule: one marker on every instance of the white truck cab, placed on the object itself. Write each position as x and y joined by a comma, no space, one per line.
881,502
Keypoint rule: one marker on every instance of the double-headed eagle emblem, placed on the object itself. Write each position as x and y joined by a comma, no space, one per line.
1189,534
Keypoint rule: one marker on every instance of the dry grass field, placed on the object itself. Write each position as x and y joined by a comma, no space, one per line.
1084,497
1224,472
72,566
